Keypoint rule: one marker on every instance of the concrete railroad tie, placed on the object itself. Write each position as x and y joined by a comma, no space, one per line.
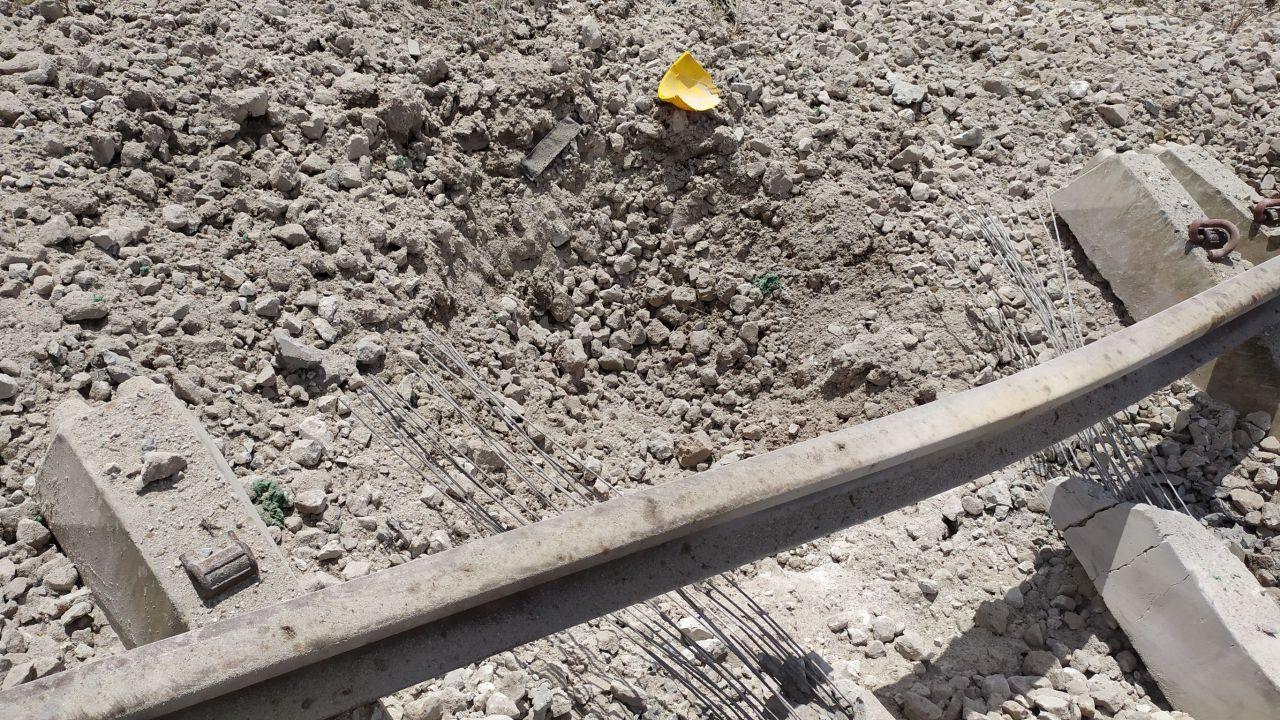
1200,621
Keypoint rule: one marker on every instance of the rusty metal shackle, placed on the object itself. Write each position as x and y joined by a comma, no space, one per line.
1219,237
1267,212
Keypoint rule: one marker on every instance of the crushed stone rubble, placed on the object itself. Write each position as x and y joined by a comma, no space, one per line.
262,204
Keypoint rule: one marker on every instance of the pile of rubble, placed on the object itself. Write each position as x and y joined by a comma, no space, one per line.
258,204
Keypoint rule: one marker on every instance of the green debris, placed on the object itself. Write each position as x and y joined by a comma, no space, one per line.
767,283
403,162
270,501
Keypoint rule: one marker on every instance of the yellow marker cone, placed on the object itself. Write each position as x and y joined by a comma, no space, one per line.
688,86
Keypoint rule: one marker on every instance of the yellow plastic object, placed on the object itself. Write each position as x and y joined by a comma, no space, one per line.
688,86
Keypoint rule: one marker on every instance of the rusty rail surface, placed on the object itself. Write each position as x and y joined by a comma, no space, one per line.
332,650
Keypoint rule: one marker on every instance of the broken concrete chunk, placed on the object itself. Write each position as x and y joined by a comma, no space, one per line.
81,305
82,609
8,386
550,147
918,707
161,465
177,218
693,449
294,355
571,356
306,452
11,107
1115,115
244,104
292,234
994,616
19,674
905,93
103,147
970,138
356,568
310,502
370,353
32,533
61,577
357,89
118,367
32,67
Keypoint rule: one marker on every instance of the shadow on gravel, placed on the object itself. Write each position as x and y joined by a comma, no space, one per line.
1048,644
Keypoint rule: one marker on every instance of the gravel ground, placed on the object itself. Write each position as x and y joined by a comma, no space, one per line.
259,204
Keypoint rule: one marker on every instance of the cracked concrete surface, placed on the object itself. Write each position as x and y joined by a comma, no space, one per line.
1079,502
1192,610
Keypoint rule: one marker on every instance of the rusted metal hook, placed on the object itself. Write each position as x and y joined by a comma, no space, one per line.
1267,212
1219,237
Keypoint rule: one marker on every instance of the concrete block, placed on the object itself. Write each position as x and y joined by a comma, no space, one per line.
1200,621
1221,194
871,706
126,538
1130,215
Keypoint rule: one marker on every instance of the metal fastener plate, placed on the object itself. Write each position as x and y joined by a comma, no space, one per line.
222,569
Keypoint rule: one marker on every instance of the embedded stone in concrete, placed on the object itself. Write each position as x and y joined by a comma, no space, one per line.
1200,621
1222,194
126,537
1130,215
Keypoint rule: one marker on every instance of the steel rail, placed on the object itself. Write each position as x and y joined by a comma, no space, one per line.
335,649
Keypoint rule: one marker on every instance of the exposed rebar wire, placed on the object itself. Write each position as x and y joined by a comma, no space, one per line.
391,400
484,518
554,480
1114,455
415,428
500,407
480,390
